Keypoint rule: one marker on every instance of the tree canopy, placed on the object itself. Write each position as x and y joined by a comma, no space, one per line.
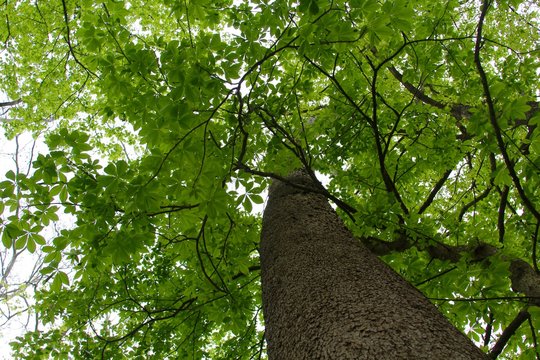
165,121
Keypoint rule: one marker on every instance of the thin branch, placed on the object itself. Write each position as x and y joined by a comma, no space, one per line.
216,271
436,276
201,262
372,121
434,191
68,40
502,208
185,137
8,35
388,182
149,321
535,340
473,202
189,24
340,89
493,116
172,209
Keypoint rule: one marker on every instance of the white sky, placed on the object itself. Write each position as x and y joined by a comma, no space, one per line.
25,262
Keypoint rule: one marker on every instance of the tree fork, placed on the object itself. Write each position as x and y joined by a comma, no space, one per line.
325,296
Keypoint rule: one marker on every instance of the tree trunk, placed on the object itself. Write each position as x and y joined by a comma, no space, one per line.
325,296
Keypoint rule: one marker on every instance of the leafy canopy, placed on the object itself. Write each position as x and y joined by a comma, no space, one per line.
165,120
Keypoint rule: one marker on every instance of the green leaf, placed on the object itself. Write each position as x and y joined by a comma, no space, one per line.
31,245
56,284
503,177
516,109
63,277
10,175
257,199
110,169
20,243
314,8
38,239
6,239
247,204
63,195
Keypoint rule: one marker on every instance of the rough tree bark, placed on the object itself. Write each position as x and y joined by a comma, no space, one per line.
325,296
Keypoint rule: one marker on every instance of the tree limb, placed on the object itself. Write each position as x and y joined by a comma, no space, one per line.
508,333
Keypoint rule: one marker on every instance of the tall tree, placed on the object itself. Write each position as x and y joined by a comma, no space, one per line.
165,121
326,296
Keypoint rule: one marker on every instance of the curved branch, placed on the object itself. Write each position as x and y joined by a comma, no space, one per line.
68,40
197,240
535,340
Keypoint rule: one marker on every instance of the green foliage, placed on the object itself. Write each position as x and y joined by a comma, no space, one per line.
165,121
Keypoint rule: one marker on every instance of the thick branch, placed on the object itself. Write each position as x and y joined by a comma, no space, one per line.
489,328
508,333
10,103
525,280
458,111
380,247
417,93
450,253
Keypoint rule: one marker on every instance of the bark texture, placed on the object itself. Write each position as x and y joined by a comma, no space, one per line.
325,296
